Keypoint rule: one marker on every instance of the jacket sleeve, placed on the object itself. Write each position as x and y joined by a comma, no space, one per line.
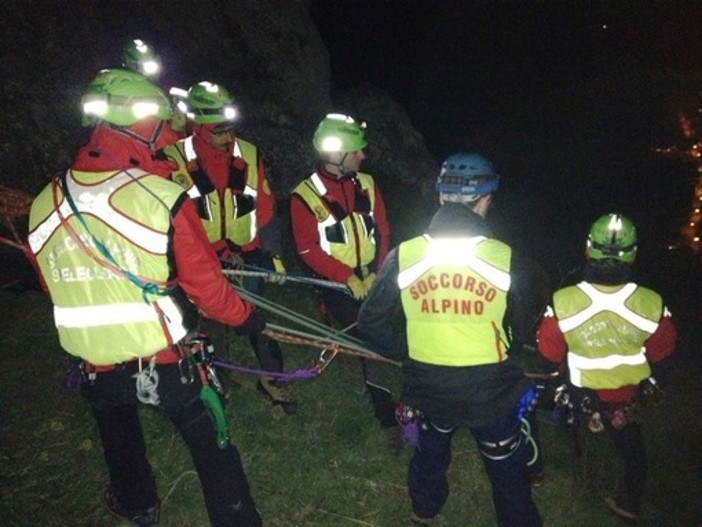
381,321
382,228
307,242
550,339
661,344
199,272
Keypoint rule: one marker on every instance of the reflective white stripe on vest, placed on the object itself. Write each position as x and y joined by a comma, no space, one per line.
318,184
189,149
578,363
454,251
613,302
321,190
39,236
120,314
95,200
322,230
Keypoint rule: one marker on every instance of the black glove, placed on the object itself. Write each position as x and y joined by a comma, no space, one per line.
253,325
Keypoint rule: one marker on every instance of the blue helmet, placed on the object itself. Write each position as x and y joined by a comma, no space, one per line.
469,174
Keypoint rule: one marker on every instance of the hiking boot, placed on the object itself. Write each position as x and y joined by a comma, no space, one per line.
418,520
278,394
620,509
142,518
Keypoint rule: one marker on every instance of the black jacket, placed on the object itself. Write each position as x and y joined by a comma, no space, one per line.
470,395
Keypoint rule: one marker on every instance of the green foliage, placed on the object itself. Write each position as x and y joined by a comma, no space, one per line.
328,465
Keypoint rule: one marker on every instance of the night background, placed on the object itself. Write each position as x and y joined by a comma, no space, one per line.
568,99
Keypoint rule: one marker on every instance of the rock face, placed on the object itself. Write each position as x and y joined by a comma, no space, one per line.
268,52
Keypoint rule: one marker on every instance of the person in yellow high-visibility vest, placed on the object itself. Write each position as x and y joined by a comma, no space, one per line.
225,176
126,262
611,333
342,234
440,304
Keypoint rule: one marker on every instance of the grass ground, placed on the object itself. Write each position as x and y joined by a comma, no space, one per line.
328,465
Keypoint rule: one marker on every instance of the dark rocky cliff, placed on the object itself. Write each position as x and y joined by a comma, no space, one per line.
268,52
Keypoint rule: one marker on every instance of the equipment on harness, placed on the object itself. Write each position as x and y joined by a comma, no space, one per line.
585,402
201,354
410,420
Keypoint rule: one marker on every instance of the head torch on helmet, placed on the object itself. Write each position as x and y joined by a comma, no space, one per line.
339,133
612,236
468,174
123,98
209,103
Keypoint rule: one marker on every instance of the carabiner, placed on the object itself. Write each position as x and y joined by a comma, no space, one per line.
325,358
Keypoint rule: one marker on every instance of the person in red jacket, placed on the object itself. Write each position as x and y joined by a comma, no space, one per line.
612,334
226,178
342,235
126,261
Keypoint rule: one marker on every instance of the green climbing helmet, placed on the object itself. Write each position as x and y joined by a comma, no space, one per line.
612,236
140,57
123,98
339,133
209,103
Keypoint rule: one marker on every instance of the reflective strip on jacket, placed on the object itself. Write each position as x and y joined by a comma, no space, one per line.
348,237
605,328
101,315
229,214
454,296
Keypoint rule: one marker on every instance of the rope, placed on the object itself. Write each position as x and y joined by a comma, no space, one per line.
526,430
252,270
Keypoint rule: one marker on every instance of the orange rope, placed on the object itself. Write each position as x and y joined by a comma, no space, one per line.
318,343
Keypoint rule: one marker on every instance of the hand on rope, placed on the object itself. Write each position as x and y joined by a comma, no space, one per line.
279,274
357,287
324,337
368,281
254,324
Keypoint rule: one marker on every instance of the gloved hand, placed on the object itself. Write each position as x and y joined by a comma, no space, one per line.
254,324
368,281
227,259
355,285
279,268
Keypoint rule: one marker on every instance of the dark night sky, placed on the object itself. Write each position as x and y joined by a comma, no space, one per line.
567,98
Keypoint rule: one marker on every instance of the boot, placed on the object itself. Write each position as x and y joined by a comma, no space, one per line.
278,394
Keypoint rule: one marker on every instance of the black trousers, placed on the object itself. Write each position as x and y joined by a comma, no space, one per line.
344,309
629,443
113,399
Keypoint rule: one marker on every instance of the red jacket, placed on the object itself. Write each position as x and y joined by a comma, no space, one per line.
304,225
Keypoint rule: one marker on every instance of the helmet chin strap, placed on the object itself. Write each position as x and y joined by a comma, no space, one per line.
340,166
149,143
